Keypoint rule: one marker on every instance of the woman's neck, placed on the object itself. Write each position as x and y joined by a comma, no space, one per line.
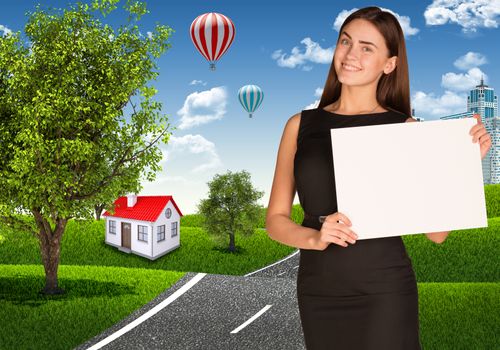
356,100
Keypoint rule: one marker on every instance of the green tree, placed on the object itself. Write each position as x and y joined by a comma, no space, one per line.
65,142
230,207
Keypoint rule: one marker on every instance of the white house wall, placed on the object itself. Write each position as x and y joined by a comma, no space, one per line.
141,247
112,238
170,242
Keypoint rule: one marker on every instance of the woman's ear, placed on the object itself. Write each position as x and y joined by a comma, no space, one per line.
390,65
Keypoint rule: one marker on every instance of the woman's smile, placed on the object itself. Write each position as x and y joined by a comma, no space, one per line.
350,67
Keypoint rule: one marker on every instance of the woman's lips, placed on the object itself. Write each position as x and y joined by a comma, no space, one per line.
350,67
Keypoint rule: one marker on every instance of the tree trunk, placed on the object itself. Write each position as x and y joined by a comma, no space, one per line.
98,210
50,248
232,247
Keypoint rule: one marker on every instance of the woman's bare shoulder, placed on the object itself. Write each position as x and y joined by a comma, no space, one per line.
294,121
291,129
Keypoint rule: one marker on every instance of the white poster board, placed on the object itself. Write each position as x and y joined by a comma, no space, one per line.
409,178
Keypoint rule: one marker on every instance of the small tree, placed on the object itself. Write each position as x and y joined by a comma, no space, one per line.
65,144
230,207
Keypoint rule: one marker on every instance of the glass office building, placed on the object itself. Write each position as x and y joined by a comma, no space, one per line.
482,100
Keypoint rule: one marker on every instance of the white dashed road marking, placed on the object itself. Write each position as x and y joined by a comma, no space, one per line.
250,320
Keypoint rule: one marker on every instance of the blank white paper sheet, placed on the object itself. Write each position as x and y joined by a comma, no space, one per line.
409,178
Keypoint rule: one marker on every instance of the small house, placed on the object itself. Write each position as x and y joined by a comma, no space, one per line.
144,225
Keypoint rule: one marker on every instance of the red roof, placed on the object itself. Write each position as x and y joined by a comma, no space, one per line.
147,208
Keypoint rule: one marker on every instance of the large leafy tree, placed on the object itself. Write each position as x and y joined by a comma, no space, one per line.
66,143
231,207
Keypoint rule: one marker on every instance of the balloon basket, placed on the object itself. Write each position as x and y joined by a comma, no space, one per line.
212,66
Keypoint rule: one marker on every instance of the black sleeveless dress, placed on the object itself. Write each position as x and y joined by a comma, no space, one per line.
363,296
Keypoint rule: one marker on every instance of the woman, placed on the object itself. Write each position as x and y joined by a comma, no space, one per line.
363,295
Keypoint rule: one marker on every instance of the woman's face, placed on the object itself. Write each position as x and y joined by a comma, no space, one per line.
361,56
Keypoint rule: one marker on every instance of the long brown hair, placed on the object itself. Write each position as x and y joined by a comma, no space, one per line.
393,89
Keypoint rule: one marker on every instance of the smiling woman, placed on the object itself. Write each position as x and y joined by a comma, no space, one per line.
361,62
363,295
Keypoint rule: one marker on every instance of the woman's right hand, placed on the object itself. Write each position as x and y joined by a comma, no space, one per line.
335,231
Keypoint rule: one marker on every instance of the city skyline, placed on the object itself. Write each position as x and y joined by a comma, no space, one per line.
482,100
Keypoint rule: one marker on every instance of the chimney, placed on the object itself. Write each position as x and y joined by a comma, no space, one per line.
131,200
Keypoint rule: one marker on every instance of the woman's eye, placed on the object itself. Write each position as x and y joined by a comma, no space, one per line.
367,49
344,41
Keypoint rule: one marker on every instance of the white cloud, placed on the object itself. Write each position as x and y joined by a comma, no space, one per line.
341,17
203,107
313,105
318,92
437,106
186,191
188,163
179,148
462,81
6,31
175,178
470,60
313,53
197,82
470,14
404,21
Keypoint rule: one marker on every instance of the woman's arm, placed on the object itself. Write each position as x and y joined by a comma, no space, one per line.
438,237
279,226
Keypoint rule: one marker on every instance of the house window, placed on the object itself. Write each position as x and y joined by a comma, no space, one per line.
161,233
112,227
142,233
174,229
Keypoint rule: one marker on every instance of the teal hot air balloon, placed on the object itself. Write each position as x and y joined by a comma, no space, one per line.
250,97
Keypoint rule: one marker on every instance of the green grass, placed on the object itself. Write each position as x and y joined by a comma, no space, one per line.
458,282
96,298
103,285
459,316
83,244
465,256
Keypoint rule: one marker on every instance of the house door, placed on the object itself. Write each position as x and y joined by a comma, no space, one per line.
126,228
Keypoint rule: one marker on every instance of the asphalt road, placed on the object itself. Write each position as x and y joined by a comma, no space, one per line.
255,311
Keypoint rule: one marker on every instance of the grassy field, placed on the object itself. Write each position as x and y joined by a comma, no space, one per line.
458,282
97,297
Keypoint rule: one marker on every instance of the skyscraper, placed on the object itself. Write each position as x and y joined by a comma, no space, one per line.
482,100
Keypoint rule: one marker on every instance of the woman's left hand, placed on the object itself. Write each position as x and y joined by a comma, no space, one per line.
479,132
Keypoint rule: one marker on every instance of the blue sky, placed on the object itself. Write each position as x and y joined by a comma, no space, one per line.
285,47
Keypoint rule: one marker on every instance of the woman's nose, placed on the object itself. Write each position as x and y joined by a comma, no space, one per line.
353,52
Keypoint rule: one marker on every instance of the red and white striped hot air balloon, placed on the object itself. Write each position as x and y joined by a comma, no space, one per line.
212,34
